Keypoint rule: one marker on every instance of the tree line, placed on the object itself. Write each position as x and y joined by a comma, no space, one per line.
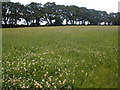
34,14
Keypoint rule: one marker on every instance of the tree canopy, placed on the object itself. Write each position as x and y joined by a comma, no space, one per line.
35,13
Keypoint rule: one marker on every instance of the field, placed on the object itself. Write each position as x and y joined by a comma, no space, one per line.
60,57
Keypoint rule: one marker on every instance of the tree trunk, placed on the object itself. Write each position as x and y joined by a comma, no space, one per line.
5,22
15,21
76,22
67,22
83,22
73,22
51,21
37,21
79,22
105,23
33,20
12,21
27,21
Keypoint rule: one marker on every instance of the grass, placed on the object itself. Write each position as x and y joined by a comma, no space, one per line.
60,57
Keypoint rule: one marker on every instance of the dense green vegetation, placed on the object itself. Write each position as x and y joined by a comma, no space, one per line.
34,14
60,57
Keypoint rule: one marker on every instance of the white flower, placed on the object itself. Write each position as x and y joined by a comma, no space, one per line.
64,81
59,81
82,71
43,80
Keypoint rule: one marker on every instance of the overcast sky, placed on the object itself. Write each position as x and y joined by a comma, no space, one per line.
103,5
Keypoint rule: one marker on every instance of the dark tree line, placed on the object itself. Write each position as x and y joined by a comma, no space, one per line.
35,13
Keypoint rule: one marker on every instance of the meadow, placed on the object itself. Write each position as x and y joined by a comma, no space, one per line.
60,57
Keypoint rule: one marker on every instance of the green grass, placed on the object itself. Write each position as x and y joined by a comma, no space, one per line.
60,57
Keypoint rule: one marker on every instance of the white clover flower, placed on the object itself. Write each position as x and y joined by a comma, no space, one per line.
55,87
47,82
53,83
82,71
59,81
86,73
64,81
73,81
43,80
41,58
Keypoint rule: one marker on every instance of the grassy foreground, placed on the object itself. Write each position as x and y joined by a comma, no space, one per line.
60,57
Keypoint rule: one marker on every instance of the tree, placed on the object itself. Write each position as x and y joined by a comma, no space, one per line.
64,12
5,14
83,14
53,14
94,17
58,21
111,18
35,10
11,12
49,12
26,15
73,14
116,20
104,17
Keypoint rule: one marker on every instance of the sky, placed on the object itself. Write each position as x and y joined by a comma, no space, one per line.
103,5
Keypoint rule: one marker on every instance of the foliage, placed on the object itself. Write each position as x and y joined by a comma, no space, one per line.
35,13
